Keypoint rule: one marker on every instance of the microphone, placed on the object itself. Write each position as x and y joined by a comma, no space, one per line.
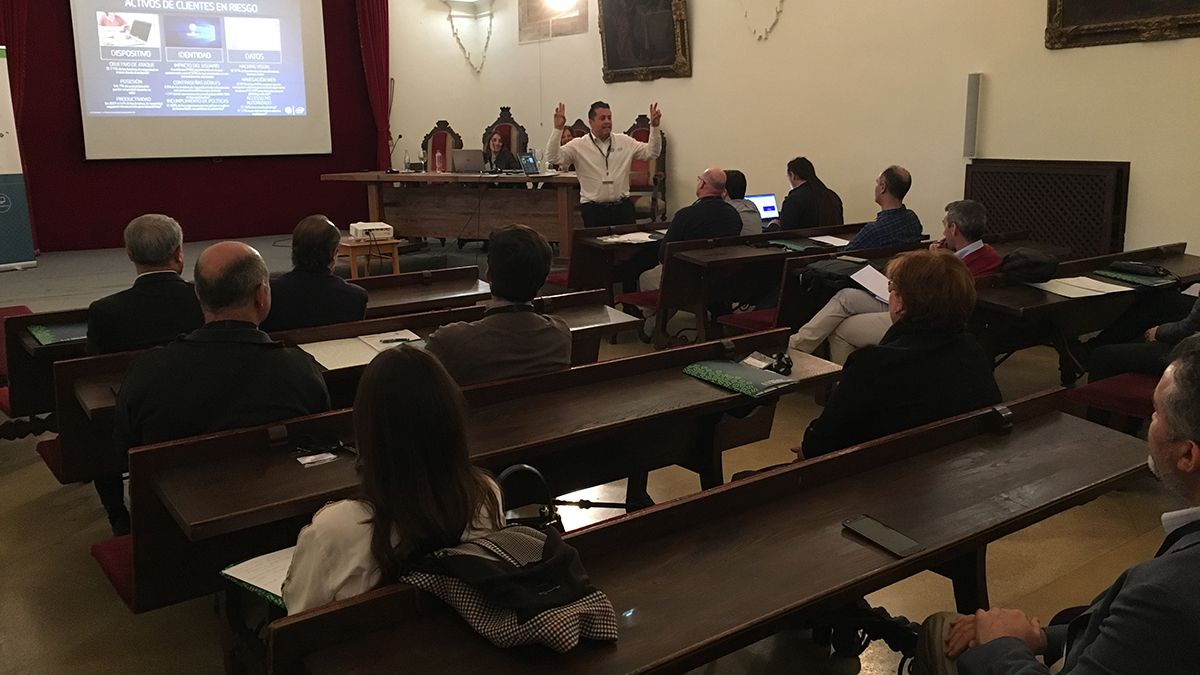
392,154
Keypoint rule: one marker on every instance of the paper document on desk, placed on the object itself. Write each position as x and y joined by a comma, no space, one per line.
874,281
832,241
1079,287
628,238
1193,290
385,341
344,353
263,575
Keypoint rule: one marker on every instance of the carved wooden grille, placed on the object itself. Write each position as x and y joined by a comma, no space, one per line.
1077,205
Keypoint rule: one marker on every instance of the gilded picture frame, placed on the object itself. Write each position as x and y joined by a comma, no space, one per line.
1084,23
644,39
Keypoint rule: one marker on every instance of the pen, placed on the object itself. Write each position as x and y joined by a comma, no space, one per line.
388,341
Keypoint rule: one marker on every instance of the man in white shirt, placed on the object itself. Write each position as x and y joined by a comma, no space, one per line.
603,161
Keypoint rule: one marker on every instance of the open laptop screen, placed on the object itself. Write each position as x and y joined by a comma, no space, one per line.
529,164
767,207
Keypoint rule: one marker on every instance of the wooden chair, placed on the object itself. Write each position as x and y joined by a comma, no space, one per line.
444,139
649,178
580,128
514,135
1126,401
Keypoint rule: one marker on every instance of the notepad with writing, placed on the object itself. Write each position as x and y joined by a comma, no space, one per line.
874,281
357,351
263,575
1079,287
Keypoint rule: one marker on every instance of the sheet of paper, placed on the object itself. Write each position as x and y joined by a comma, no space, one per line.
662,231
832,241
1193,290
384,341
1058,287
1095,285
266,571
344,353
874,281
628,238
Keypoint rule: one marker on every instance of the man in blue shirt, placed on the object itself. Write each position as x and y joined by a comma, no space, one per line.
894,224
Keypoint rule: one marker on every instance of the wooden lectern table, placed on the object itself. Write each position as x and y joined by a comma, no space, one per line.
470,206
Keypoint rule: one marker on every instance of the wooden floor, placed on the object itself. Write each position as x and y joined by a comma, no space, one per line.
59,615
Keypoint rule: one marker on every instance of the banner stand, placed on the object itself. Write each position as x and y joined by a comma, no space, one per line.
16,232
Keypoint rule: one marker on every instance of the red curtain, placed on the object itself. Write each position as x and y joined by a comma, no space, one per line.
373,35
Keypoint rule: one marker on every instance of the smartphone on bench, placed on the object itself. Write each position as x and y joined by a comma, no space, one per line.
883,536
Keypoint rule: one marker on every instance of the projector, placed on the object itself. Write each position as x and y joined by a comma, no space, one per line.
377,231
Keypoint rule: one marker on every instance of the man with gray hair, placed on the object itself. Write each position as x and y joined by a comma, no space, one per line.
159,306
224,375
853,318
1148,620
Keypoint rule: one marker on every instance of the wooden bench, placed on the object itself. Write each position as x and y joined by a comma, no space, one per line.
201,503
412,292
85,389
703,576
1010,317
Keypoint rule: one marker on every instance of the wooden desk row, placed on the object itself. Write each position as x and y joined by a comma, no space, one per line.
84,388
31,388
200,504
700,577
1010,317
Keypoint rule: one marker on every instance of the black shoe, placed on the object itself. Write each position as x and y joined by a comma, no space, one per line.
119,524
1073,364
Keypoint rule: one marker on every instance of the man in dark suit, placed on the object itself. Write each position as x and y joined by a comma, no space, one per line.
224,375
708,217
511,340
1148,621
311,294
159,306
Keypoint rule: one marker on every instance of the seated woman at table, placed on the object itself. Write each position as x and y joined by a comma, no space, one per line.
497,156
927,367
419,491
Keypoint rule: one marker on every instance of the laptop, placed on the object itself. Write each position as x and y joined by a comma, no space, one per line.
529,163
767,207
468,161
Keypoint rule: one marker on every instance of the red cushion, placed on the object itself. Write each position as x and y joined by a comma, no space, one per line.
4,404
557,279
116,561
751,322
639,299
1130,394
15,310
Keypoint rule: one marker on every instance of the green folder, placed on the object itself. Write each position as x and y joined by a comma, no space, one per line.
1139,279
739,377
58,332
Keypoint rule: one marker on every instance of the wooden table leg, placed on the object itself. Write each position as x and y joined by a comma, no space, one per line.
969,576
395,259
354,264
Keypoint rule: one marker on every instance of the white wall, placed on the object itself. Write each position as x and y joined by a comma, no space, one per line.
854,86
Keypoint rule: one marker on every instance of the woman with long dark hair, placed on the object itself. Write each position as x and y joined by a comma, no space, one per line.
810,203
419,491
497,156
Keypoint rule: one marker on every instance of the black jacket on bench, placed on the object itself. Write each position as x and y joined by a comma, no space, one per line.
915,375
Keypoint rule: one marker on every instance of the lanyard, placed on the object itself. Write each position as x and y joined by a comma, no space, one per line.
606,154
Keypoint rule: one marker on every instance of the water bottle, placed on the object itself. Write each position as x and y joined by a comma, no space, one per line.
406,160
439,162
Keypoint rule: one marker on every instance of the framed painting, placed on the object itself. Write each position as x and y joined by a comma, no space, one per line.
1082,23
644,39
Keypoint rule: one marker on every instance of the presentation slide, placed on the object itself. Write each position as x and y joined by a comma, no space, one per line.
180,78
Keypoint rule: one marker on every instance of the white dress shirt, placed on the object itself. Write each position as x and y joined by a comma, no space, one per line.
969,249
1176,519
333,559
603,167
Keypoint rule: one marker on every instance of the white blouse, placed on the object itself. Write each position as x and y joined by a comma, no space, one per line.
333,559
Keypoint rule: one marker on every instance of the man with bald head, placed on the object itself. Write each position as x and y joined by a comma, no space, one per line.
708,217
311,294
223,375
894,224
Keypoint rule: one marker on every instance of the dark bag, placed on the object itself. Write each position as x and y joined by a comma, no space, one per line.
519,586
832,274
1028,265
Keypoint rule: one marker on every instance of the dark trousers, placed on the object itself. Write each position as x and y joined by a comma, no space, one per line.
111,490
1149,358
1151,309
596,214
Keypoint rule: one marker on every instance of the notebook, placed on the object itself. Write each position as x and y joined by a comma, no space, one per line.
263,575
57,333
